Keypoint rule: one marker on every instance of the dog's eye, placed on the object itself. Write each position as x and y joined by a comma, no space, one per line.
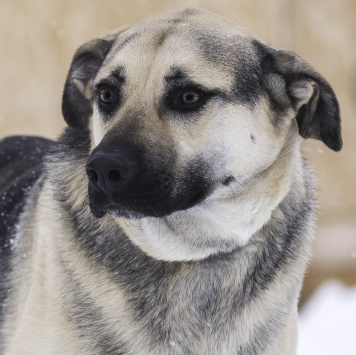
107,95
108,99
190,97
187,99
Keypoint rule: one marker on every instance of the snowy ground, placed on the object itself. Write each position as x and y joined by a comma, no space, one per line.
327,323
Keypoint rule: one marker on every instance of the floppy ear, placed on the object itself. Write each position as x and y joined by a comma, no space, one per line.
314,101
77,94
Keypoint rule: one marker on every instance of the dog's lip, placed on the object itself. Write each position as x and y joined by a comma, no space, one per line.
192,201
113,209
98,212
120,211
107,205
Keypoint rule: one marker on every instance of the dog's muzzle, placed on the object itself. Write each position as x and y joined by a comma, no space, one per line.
131,181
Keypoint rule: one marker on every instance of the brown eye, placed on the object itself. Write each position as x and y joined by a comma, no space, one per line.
190,97
187,99
106,95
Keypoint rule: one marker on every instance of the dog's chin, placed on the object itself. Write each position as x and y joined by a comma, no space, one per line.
116,211
99,213
125,213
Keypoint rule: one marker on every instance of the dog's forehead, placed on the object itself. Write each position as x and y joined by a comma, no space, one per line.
184,26
192,40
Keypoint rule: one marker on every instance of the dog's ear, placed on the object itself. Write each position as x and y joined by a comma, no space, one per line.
315,103
77,94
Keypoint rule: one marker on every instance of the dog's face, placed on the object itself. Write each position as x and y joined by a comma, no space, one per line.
187,110
176,107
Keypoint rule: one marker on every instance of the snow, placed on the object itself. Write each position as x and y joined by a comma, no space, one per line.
327,323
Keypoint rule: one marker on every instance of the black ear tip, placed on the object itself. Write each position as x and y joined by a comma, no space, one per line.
334,140
336,145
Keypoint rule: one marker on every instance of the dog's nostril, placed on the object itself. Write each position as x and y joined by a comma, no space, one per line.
92,175
114,175
108,172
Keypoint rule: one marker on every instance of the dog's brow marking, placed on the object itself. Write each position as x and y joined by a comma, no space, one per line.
176,74
116,76
119,74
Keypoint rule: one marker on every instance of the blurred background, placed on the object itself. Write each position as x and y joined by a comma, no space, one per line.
39,37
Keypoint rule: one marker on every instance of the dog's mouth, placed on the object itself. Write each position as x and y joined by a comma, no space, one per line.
134,205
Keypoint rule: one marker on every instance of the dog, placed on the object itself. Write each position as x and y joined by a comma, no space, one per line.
175,213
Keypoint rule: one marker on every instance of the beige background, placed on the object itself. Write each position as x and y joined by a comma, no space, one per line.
39,37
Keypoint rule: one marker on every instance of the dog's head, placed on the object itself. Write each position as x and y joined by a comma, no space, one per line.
187,108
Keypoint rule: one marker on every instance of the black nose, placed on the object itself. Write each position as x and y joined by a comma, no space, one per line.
109,172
